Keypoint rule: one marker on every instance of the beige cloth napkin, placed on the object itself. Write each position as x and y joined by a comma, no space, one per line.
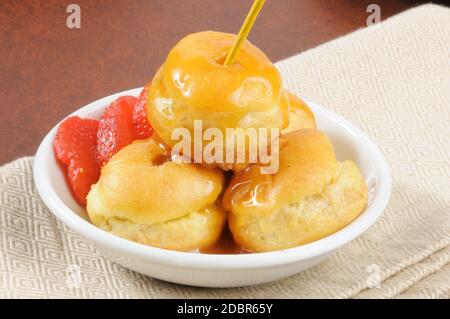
393,80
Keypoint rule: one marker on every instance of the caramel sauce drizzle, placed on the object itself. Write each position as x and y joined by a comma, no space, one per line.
248,188
225,245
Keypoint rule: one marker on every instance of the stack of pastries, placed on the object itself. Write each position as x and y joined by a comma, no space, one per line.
144,195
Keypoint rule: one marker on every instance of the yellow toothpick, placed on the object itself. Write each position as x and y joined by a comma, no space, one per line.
245,30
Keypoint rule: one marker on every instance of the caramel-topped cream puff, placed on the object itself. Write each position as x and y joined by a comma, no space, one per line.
194,84
145,197
311,196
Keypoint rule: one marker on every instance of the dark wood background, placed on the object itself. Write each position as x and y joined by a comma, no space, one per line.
48,70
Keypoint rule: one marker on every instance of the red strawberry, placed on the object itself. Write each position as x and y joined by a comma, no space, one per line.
143,128
75,148
116,129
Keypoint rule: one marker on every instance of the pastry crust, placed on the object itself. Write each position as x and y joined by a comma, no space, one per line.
312,196
189,233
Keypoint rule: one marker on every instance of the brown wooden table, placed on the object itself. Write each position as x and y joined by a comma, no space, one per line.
48,70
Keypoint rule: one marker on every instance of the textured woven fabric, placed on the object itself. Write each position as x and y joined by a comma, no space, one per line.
393,81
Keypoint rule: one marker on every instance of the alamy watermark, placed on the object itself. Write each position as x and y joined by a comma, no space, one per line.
374,278
375,14
73,276
73,20
238,146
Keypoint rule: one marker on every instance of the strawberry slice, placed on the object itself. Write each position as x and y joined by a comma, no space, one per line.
142,125
115,129
75,148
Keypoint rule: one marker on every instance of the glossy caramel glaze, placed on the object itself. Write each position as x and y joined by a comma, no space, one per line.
249,189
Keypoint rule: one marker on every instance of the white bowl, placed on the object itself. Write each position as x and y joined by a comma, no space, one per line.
219,270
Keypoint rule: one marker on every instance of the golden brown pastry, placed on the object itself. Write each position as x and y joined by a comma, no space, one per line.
144,197
312,196
300,115
193,84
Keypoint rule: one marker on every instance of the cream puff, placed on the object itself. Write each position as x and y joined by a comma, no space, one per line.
145,197
194,84
310,197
